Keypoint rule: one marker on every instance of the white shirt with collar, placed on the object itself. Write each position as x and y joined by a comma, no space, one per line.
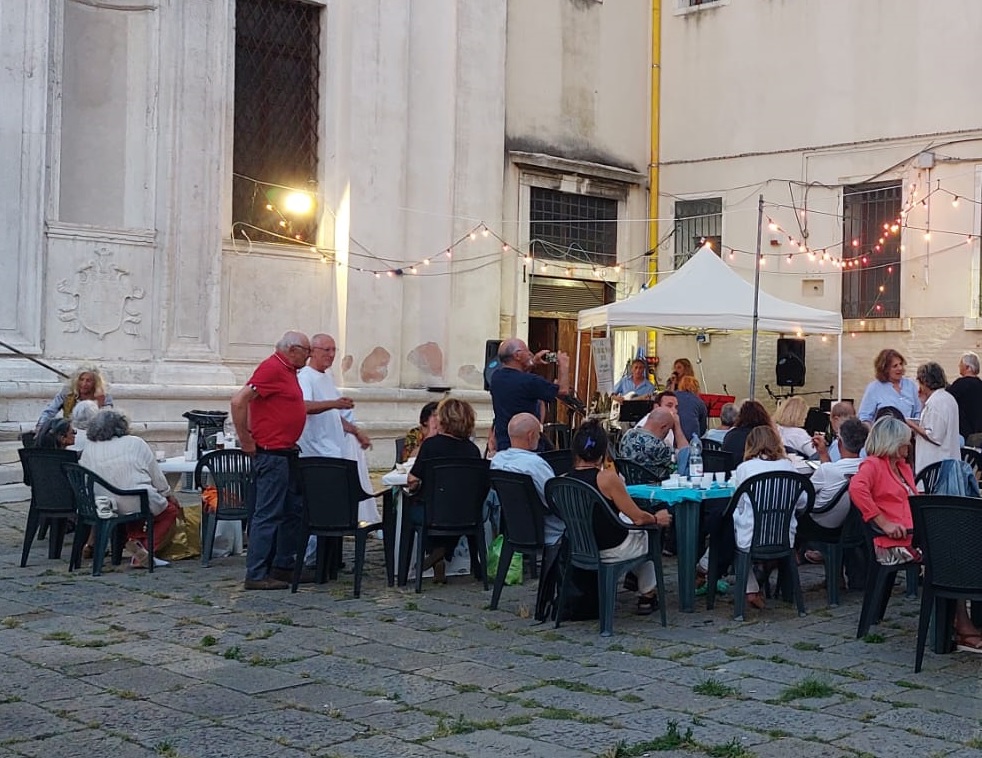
323,434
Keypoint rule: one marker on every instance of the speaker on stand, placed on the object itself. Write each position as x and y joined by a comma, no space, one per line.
491,362
790,366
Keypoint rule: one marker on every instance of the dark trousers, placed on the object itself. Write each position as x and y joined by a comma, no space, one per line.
275,525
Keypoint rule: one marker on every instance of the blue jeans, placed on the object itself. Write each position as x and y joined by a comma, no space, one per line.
275,525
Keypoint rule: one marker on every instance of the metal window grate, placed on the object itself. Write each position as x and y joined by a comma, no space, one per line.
570,227
696,223
277,56
871,290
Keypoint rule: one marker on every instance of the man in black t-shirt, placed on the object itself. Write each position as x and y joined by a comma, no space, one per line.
967,391
514,389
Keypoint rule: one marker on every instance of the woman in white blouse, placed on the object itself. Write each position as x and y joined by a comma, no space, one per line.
937,428
127,462
790,419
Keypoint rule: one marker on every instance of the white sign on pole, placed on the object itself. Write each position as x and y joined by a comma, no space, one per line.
603,364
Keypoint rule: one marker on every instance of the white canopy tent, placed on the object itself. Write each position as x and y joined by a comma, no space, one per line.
705,294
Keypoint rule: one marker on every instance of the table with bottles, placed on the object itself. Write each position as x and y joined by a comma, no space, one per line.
688,503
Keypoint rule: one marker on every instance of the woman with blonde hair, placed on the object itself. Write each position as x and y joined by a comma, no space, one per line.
681,367
693,414
790,419
456,421
87,383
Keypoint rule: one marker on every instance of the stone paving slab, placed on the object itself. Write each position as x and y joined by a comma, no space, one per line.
186,663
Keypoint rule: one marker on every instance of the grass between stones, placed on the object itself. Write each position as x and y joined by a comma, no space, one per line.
714,688
674,739
809,687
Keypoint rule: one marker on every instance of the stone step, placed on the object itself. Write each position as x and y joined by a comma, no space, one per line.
8,452
11,473
14,493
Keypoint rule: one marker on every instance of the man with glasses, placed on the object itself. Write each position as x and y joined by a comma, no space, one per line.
515,389
269,416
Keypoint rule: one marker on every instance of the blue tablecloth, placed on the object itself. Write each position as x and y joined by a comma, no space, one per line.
655,493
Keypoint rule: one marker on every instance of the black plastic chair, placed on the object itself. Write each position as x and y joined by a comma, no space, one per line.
850,536
574,502
708,444
231,474
879,583
635,473
949,529
522,525
559,435
773,496
400,450
51,497
454,491
83,483
561,461
714,461
928,476
331,491
973,458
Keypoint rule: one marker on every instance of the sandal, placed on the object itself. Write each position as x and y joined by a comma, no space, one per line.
813,556
647,604
756,600
970,642
87,552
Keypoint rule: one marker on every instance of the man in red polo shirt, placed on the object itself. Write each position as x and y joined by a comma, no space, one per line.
269,416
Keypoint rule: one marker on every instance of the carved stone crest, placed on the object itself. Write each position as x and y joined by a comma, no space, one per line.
102,299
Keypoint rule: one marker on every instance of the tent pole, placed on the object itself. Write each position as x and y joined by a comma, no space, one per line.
838,385
576,367
753,339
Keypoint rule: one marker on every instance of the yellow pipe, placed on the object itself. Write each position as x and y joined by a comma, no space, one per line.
653,161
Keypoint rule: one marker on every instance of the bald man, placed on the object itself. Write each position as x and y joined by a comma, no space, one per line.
515,389
646,444
520,457
269,416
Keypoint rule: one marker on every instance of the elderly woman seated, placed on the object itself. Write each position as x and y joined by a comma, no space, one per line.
82,414
87,383
127,462
55,434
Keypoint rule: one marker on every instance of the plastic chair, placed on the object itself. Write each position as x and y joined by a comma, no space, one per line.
400,450
51,497
850,536
83,483
561,461
879,583
521,523
635,473
928,476
331,491
950,530
716,460
559,435
454,491
973,458
773,497
708,444
574,502
231,473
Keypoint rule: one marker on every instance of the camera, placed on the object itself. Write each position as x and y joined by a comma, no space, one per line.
550,358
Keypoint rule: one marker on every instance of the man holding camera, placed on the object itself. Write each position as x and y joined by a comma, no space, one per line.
515,389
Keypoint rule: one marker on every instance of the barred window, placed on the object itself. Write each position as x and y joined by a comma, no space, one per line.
871,285
697,222
570,227
277,54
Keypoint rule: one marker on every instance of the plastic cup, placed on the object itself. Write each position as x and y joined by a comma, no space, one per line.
707,481
720,477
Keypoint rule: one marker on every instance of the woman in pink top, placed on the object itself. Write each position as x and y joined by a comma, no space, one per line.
880,490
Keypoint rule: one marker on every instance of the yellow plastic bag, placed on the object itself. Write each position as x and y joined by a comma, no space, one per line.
186,542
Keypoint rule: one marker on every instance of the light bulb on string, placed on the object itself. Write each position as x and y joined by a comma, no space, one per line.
731,256
505,248
617,268
473,236
954,203
544,267
927,236
485,232
390,273
763,260
790,258
449,254
772,226
528,259
378,275
426,261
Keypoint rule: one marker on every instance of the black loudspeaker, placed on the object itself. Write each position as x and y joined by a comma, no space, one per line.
790,362
491,363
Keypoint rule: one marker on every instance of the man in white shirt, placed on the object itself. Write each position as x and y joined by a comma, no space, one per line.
324,434
828,480
524,431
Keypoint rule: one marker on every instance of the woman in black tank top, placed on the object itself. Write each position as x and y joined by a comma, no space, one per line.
615,542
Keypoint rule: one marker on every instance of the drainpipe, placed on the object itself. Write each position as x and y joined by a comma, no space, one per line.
652,268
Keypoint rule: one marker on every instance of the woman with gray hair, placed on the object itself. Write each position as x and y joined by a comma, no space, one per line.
938,424
82,414
127,462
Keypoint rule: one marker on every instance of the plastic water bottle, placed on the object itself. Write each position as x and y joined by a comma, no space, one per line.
695,457
191,451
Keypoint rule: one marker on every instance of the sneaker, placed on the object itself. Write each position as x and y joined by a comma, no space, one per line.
307,575
266,583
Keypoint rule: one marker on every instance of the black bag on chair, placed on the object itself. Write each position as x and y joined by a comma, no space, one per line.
582,601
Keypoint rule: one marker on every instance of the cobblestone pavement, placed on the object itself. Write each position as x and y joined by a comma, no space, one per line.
186,663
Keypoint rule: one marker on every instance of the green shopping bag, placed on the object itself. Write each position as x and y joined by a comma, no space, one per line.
514,575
